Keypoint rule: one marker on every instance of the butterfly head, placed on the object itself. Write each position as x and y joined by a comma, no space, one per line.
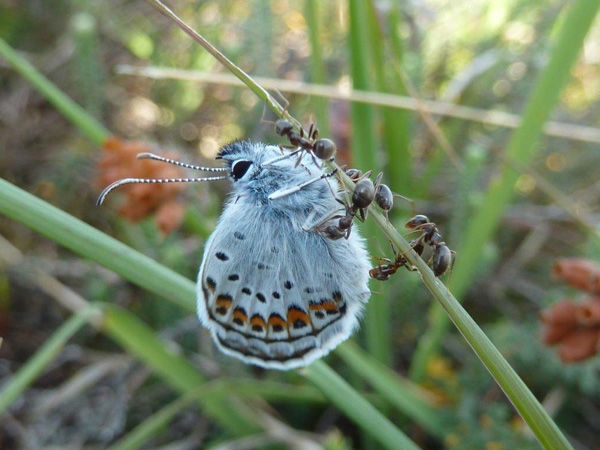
255,177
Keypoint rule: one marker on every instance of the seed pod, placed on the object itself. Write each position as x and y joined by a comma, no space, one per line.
283,127
363,194
416,221
324,149
384,197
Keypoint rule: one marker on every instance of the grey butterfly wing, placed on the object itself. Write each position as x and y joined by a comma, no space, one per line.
279,297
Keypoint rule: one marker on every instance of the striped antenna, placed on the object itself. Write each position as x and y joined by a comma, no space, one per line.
178,163
116,184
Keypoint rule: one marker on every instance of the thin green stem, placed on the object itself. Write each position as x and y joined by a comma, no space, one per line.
35,365
521,148
352,404
317,68
89,126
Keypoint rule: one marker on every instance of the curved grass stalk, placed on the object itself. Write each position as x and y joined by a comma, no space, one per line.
521,149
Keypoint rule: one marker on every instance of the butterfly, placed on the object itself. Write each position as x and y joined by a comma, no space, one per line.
273,289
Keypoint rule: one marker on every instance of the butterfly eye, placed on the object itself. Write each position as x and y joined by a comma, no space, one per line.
239,168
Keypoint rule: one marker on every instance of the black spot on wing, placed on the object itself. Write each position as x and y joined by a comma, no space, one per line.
222,256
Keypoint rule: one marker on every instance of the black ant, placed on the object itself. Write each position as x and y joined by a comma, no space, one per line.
441,259
323,149
362,197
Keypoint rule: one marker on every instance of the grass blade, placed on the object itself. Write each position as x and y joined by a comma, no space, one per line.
400,393
364,155
357,408
44,356
521,148
89,126
140,340
317,68
517,392
159,420
95,245
395,122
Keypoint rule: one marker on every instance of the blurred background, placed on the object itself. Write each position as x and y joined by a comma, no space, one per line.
457,77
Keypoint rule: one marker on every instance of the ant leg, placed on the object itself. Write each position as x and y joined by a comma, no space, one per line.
284,100
410,201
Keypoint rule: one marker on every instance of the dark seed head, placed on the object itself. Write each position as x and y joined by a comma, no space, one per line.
354,174
324,149
364,193
283,127
419,219
384,197
441,259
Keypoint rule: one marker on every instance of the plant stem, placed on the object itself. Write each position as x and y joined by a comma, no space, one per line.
89,126
521,148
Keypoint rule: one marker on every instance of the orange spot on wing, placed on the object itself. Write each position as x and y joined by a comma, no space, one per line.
275,320
295,316
258,320
325,305
239,316
224,300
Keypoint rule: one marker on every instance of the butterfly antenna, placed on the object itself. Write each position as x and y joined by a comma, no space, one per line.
116,184
154,157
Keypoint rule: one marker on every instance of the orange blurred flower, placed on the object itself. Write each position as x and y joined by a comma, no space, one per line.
575,327
118,161
580,273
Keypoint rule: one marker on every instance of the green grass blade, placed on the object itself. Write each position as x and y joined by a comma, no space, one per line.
158,421
89,126
95,245
400,393
317,67
44,356
517,392
140,340
357,408
395,121
364,155
521,148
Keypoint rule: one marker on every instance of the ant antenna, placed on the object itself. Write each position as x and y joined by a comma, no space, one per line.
116,184
154,157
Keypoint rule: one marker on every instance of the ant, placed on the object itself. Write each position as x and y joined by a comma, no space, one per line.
362,196
323,149
441,259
